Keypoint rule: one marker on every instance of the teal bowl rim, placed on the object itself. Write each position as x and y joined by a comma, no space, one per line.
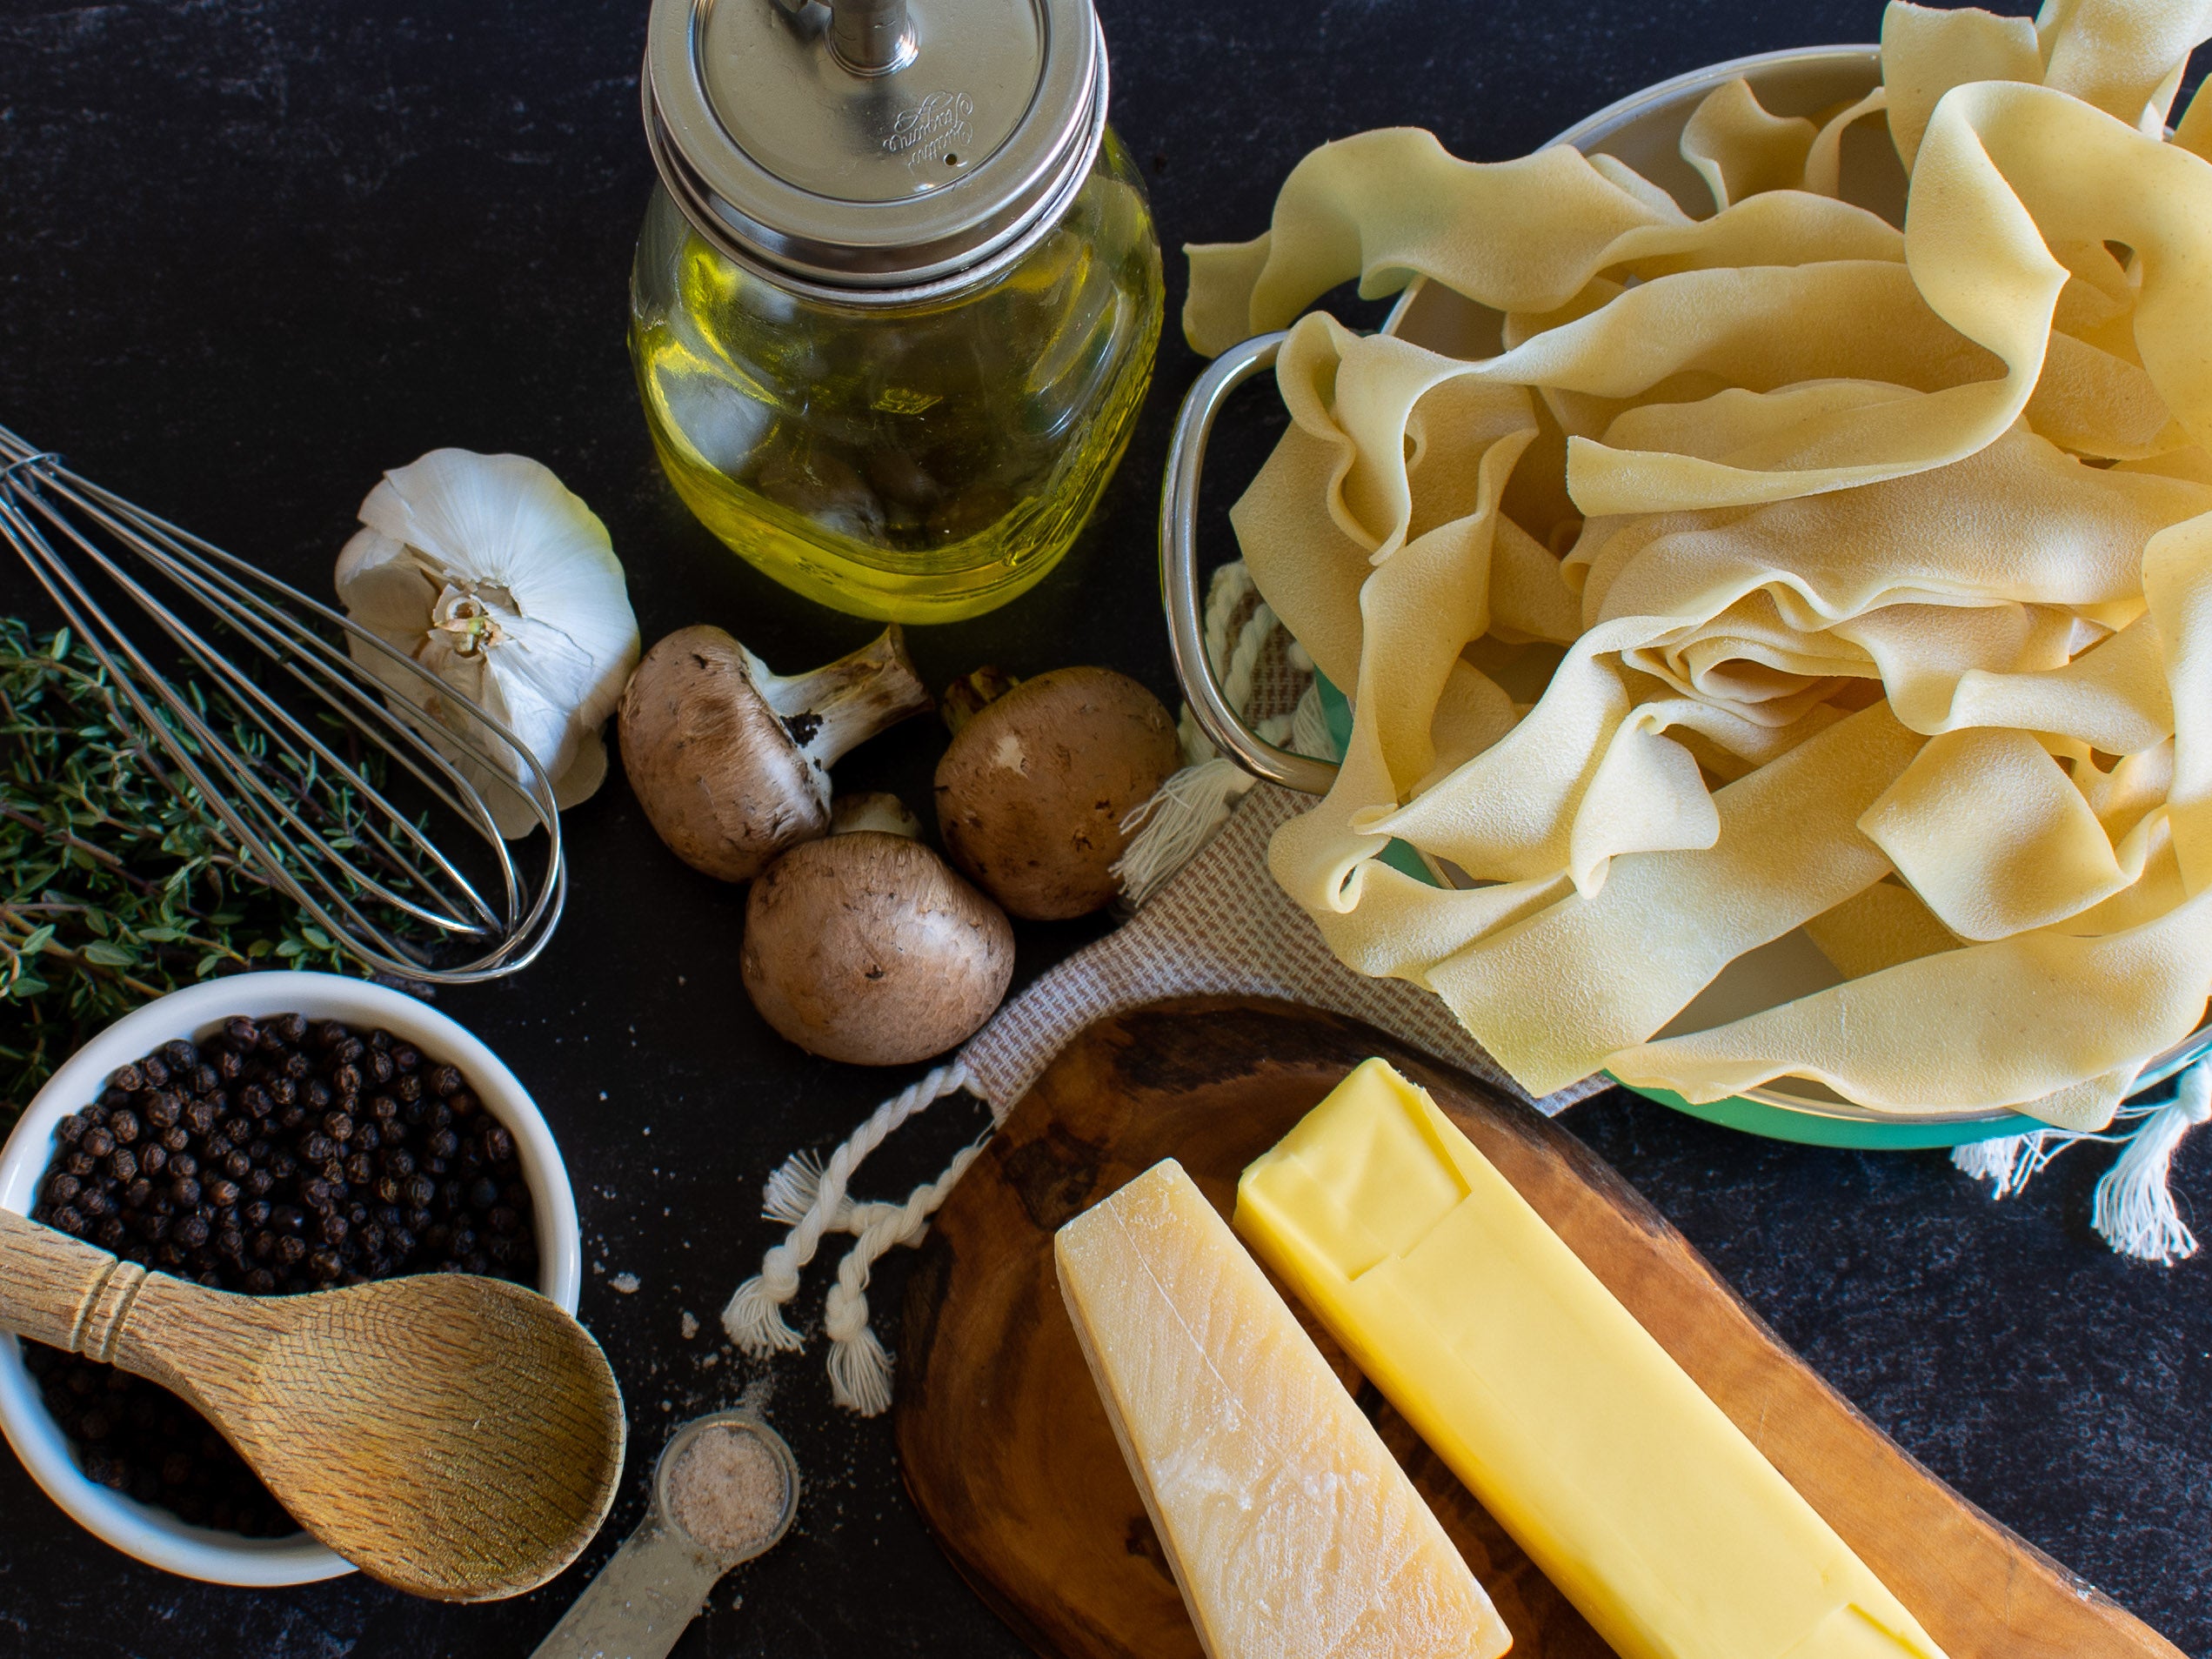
1753,1117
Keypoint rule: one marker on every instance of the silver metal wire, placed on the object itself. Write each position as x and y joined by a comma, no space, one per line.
381,886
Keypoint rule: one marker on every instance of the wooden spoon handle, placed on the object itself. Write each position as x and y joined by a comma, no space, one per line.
61,1291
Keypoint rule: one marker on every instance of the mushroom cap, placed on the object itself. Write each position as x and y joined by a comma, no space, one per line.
866,948
719,775
1031,793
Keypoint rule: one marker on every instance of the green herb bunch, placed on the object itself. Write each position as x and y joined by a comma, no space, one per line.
114,887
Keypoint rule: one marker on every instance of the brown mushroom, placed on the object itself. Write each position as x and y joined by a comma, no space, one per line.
731,762
1031,793
866,948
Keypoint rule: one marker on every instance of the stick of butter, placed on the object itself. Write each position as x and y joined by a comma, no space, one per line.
1628,1487
1291,1530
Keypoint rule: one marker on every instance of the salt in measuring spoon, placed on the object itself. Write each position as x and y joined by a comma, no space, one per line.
720,1475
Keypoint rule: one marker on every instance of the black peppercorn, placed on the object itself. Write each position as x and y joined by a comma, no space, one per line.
97,1143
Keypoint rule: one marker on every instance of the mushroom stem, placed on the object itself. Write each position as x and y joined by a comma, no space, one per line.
843,704
968,696
884,813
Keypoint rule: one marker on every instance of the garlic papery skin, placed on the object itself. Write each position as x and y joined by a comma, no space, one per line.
493,576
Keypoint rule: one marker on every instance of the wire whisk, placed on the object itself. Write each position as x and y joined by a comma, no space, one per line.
288,789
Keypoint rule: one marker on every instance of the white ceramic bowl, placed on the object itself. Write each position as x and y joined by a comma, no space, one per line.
155,1535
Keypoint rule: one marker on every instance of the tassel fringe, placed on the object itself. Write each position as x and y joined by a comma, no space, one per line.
2133,1208
859,1368
1168,831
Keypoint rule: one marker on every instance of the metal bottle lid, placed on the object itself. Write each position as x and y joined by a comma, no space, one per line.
874,150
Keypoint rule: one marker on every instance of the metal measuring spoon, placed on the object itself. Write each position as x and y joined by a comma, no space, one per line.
654,1587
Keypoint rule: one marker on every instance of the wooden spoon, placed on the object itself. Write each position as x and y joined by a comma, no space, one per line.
456,1437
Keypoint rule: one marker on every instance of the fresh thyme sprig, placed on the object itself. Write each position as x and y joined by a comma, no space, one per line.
113,888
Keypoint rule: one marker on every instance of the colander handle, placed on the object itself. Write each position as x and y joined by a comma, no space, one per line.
1179,585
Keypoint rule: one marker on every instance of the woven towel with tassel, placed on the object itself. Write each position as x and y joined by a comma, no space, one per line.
1208,918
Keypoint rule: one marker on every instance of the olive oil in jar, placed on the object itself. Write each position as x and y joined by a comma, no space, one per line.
916,464
910,429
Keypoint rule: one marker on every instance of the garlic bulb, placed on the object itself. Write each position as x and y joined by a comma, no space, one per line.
493,576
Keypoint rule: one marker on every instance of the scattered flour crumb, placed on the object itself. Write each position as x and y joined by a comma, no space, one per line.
624,1282
690,1325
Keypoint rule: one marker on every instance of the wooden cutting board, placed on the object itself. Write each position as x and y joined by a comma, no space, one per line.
1008,1453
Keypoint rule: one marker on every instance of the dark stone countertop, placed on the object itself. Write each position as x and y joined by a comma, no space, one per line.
254,251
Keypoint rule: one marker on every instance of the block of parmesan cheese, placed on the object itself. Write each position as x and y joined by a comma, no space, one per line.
1291,1529
1632,1491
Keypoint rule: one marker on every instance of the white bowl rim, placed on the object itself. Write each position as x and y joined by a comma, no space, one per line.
154,1535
